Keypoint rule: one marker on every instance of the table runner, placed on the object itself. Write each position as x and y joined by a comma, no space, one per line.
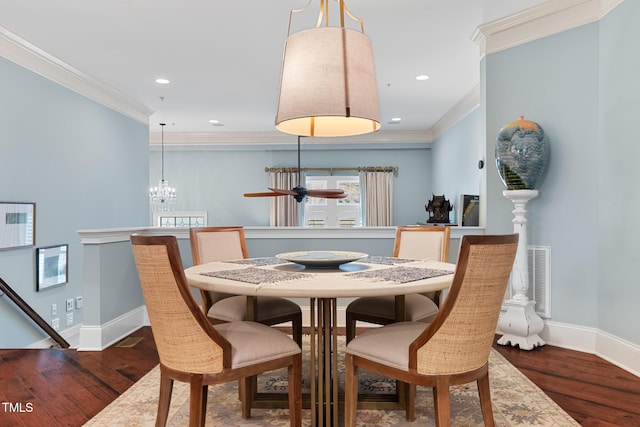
258,261
399,274
256,275
386,260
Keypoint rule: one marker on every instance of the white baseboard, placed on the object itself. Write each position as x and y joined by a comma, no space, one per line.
568,336
621,353
71,335
615,350
99,337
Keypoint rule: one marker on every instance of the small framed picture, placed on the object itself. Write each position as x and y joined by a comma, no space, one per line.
469,210
52,266
17,224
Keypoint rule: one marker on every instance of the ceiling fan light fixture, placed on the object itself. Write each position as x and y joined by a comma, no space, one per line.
328,84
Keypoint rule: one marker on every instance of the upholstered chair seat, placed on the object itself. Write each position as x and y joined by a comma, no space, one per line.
235,308
253,343
418,307
395,335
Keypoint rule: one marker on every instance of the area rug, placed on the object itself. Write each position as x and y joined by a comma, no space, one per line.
516,402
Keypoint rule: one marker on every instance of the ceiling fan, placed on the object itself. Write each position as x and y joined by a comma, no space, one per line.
299,193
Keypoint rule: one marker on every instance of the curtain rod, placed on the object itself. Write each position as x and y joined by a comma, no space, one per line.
393,169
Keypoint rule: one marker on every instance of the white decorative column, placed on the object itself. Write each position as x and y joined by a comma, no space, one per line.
520,324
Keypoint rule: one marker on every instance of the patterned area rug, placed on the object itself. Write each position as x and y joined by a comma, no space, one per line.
516,402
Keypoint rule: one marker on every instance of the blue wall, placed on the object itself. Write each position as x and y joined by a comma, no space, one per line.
618,175
84,165
214,178
554,81
456,155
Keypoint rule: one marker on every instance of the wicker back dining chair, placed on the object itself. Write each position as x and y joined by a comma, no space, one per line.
193,350
454,348
412,242
225,244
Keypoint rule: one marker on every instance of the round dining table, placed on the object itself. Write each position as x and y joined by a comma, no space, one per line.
323,284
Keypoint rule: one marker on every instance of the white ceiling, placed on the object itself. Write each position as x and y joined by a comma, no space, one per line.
224,57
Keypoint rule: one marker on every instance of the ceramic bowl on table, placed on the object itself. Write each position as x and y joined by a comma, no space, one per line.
321,259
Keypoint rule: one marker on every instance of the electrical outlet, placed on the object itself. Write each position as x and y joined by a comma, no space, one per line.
54,310
55,323
79,302
69,319
70,304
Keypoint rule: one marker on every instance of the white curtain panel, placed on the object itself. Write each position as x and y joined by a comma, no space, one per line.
285,210
377,198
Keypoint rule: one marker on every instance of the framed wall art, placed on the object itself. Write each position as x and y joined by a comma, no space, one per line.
17,224
469,207
52,266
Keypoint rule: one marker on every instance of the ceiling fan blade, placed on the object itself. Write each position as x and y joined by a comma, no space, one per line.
334,196
265,194
324,193
284,192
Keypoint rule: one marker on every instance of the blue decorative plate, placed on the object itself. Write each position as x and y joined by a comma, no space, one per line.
321,259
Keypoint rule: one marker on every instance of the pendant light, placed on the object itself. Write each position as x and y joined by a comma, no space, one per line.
328,84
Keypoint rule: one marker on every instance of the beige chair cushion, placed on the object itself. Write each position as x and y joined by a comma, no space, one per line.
421,245
235,308
380,344
253,343
219,245
418,308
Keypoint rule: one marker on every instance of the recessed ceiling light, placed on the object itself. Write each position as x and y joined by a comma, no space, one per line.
395,121
216,123
422,77
163,81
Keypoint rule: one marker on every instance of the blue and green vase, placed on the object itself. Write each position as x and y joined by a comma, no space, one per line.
522,151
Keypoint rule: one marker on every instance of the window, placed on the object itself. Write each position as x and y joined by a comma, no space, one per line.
179,219
319,212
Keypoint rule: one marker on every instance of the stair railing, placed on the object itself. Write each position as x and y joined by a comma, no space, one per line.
26,308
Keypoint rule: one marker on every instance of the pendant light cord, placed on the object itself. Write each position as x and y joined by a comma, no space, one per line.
162,125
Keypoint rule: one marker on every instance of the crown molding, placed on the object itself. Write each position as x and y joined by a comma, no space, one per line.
277,138
545,19
31,57
467,104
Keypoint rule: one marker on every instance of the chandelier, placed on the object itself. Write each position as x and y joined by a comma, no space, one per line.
162,197
328,83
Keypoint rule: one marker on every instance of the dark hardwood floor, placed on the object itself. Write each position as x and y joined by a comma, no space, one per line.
66,387
590,389
59,387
